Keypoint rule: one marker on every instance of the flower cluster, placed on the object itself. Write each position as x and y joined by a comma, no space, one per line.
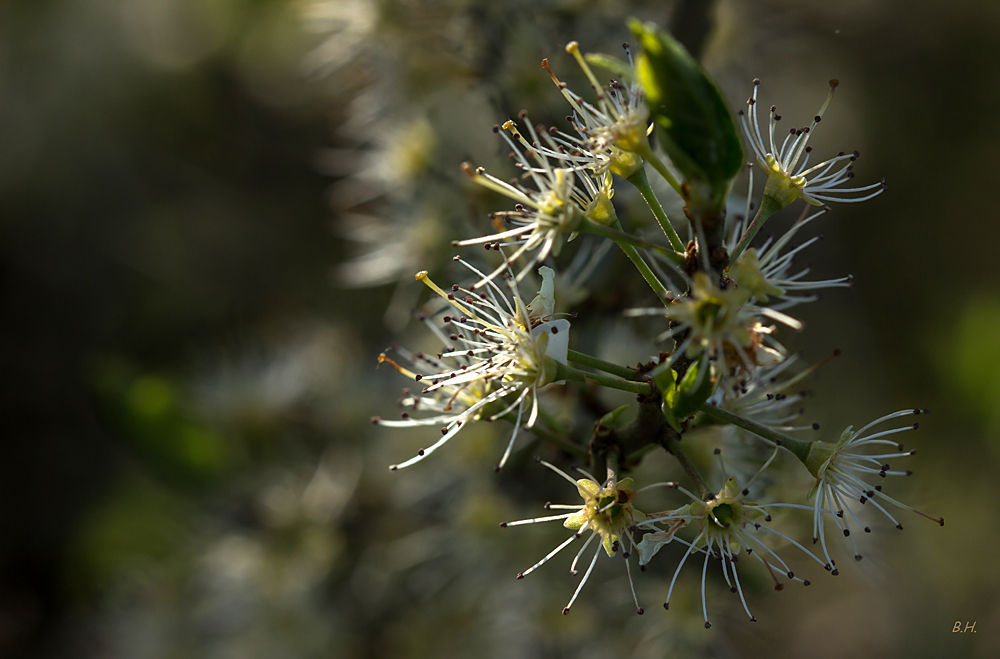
723,364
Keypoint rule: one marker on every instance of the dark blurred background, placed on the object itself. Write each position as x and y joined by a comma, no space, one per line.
208,207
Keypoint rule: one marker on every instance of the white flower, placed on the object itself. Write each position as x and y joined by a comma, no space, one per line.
723,324
726,526
497,354
842,472
768,271
788,174
548,211
611,132
607,512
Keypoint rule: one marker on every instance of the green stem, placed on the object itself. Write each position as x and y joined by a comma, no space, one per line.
611,460
640,181
615,233
601,365
654,160
631,253
565,372
768,207
673,445
797,446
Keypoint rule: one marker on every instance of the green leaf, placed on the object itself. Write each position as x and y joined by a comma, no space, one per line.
681,400
693,391
668,413
666,381
610,419
694,124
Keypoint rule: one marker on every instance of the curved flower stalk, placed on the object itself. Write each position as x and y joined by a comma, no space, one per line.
843,470
498,353
789,175
546,213
726,526
771,398
607,512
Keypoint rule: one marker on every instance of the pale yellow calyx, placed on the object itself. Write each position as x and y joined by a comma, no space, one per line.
819,457
712,312
624,163
607,511
601,209
629,133
821,454
748,276
556,208
726,510
782,187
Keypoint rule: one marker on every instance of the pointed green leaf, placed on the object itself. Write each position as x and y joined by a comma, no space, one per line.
694,123
609,420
